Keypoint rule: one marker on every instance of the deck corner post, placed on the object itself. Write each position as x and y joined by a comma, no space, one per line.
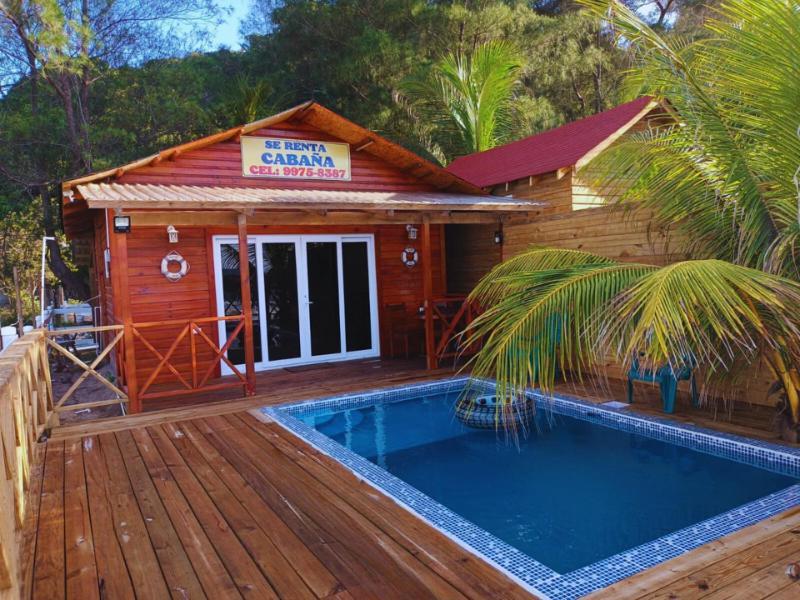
247,305
120,266
427,292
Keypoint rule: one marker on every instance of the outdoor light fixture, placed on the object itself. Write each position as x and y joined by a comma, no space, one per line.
498,237
412,232
122,224
173,234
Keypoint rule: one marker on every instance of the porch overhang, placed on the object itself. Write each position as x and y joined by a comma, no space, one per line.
152,204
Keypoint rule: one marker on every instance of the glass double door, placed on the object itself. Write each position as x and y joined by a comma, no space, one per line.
313,297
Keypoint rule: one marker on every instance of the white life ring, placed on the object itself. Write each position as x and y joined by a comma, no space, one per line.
409,256
174,257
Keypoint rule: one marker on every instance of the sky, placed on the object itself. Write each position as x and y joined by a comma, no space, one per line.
228,33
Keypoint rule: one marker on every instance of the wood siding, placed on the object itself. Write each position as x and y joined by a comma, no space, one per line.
221,165
553,189
601,230
471,253
154,298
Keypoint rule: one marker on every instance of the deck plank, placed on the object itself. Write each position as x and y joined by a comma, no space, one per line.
246,574
140,556
318,578
365,569
81,569
286,582
212,573
113,578
178,571
49,574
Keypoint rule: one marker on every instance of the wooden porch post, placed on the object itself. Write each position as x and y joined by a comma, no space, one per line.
427,292
122,297
247,305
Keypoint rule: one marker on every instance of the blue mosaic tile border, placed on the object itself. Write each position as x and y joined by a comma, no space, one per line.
534,576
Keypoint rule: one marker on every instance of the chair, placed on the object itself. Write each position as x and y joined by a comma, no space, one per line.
667,380
400,328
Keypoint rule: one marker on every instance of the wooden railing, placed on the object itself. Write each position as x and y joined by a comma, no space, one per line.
26,405
453,314
189,333
88,370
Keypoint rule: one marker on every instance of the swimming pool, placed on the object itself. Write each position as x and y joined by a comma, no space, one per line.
593,495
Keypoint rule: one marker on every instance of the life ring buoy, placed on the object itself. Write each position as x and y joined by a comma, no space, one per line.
409,256
174,257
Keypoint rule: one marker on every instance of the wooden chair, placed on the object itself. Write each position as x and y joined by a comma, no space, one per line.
400,328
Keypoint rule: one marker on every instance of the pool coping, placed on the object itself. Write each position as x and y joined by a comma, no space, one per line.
525,570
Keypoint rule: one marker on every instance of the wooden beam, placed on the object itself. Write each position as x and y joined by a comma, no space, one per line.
222,218
122,299
427,293
247,305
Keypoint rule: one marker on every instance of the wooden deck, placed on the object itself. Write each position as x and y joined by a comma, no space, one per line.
208,501
229,506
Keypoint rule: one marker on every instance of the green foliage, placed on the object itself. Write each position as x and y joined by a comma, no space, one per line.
725,176
467,99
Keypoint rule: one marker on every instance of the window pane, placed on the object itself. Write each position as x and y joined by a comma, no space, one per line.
357,312
323,295
280,282
232,299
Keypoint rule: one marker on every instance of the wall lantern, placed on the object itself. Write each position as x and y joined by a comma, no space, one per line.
498,237
173,234
412,232
122,224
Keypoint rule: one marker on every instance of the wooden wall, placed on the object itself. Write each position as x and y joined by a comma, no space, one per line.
554,189
221,165
471,253
154,298
602,230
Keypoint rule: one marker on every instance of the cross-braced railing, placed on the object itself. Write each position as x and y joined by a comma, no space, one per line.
201,368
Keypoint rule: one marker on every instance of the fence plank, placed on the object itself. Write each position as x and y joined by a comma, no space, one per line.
26,399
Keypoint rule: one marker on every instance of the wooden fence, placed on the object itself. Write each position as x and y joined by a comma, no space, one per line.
26,404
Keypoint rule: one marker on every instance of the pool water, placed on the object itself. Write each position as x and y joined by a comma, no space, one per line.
572,493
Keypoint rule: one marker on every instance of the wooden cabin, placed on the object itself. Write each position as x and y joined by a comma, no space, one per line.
349,256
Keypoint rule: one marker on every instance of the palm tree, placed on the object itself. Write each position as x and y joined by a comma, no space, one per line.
726,177
465,100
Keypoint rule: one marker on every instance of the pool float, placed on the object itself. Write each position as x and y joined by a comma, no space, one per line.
485,412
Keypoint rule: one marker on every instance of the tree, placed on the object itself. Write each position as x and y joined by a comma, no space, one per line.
467,98
67,45
725,177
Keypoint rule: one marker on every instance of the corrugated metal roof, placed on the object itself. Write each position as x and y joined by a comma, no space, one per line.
190,197
549,151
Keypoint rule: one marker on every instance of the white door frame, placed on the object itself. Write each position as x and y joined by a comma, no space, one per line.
302,295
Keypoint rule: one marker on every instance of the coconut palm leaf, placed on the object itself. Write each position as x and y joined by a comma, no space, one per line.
541,315
552,310
736,95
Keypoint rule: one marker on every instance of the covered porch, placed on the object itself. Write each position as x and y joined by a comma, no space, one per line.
330,276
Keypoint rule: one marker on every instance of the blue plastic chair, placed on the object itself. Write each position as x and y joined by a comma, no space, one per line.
667,380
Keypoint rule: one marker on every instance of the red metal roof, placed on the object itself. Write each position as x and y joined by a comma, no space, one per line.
546,152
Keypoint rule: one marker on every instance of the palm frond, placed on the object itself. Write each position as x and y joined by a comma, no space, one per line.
541,316
737,108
